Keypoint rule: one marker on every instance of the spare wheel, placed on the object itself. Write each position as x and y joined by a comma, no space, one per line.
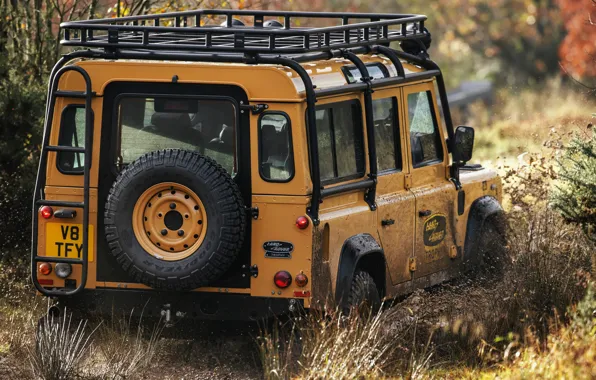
175,220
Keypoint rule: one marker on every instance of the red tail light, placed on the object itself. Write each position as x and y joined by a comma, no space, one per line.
46,212
302,222
282,279
45,268
45,281
301,280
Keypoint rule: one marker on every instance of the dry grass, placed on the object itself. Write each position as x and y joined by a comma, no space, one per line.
123,351
332,346
522,120
59,347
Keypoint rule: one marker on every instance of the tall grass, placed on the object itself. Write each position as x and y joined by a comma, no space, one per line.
333,346
123,349
59,347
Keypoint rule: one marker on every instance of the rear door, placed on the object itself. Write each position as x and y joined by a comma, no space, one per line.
143,117
431,187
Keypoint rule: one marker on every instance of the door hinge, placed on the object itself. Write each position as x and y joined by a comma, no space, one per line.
253,212
408,181
412,264
252,271
255,109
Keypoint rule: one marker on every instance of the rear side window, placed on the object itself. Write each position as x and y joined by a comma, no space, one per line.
147,124
275,147
425,138
72,133
341,150
386,130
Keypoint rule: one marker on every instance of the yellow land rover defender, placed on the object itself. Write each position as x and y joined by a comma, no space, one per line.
236,164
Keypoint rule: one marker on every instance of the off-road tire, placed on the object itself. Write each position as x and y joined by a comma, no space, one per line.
492,252
223,205
364,294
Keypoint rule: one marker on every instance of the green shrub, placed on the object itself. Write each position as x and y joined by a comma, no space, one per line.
22,104
575,195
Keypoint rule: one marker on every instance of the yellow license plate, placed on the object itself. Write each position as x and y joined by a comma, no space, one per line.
66,240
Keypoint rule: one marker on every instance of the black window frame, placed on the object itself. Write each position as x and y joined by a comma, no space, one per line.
359,124
62,136
116,145
397,151
439,138
260,148
346,70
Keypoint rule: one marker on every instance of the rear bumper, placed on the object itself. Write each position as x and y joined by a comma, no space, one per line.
179,305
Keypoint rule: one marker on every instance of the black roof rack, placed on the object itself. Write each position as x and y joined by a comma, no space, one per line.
196,32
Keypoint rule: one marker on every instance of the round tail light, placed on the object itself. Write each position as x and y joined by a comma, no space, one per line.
301,280
302,222
46,212
282,279
45,268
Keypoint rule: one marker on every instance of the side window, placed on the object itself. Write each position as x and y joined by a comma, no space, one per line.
147,124
386,131
341,150
425,138
72,133
275,148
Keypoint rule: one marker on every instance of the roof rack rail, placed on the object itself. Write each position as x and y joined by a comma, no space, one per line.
196,32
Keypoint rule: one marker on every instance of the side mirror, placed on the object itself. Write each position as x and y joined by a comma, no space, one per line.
464,144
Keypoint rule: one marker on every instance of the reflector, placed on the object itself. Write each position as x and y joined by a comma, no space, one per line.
302,222
46,212
45,268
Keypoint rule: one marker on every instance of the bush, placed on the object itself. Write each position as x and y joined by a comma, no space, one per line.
22,105
575,195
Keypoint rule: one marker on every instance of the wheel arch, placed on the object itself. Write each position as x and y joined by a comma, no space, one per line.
482,208
360,251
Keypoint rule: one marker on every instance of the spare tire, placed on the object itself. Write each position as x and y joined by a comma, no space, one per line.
175,220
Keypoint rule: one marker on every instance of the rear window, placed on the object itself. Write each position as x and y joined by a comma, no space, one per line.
275,147
72,133
147,124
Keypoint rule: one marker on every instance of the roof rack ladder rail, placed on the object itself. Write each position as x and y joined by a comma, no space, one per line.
53,93
311,121
429,64
370,123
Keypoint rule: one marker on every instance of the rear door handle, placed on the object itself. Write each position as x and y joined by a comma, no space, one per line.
387,222
423,213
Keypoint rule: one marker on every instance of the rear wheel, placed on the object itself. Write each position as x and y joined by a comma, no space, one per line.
364,294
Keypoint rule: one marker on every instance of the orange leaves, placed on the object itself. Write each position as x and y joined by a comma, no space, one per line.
578,49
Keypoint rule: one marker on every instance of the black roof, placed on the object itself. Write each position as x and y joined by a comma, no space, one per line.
198,32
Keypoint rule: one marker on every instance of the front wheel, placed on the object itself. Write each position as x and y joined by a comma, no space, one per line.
492,250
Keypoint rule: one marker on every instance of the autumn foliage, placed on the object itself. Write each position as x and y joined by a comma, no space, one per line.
578,50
